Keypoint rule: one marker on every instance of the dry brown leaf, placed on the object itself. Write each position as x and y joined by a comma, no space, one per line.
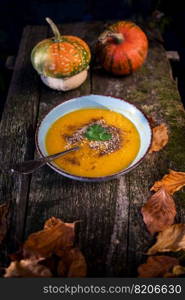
159,211
62,269
27,268
160,138
50,223
72,264
172,182
157,266
177,271
53,239
49,252
4,208
171,239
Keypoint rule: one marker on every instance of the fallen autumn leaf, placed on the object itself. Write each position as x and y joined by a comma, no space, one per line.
159,211
172,239
72,264
49,252
53,239
172,182
157,266
160,138
27,268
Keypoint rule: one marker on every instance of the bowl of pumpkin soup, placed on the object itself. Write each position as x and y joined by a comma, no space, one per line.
113,136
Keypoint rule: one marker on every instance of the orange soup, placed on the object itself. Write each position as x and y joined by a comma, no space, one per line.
108,141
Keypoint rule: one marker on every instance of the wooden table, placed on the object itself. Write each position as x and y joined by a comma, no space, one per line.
112,234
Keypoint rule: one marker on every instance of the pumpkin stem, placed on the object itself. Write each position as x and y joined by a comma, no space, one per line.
106,36
54,29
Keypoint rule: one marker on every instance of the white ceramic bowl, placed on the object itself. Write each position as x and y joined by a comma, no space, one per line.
121,106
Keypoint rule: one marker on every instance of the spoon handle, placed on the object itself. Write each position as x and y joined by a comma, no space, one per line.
54,156
29,166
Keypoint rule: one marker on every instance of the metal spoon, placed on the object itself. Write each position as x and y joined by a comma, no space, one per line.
29,166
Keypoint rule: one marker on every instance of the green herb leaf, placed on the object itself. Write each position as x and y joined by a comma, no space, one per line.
97,133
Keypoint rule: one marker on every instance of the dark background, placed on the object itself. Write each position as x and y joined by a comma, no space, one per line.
14,15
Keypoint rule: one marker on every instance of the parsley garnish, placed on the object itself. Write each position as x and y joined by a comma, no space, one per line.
97,133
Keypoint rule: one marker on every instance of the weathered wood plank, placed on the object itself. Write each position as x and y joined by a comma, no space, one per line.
116,255
158,96
152,89
98,205
50,194
137,185
18,128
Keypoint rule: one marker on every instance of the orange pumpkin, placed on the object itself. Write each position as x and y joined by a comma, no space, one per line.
122,48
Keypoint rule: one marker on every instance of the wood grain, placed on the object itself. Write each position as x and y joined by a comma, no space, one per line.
18,128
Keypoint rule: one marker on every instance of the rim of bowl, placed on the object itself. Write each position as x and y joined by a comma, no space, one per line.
100,178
